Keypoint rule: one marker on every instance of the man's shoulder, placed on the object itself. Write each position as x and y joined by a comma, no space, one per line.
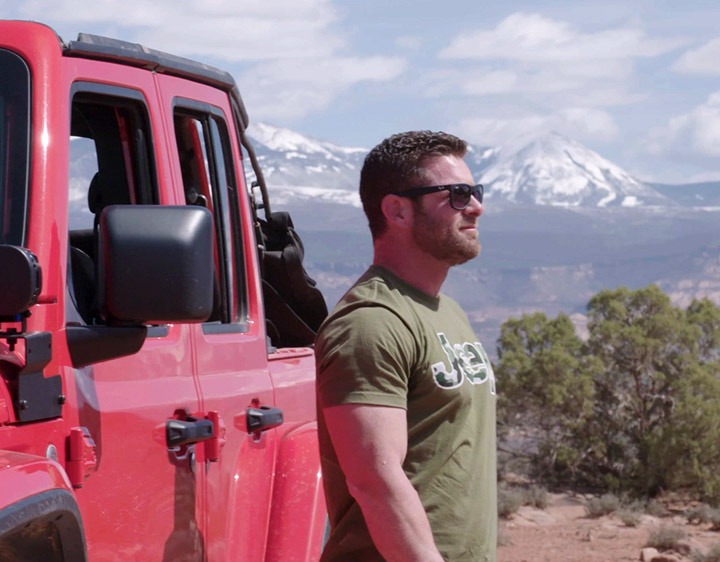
372,308
374,289
448,303
380,296
369,299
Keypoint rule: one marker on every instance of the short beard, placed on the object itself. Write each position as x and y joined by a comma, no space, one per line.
443,243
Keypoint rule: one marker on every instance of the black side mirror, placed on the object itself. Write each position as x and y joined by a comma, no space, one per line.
155,264
20,280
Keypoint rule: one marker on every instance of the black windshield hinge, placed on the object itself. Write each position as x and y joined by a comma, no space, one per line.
37,397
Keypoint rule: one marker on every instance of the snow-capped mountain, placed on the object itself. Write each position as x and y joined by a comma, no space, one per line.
291,159
562,224
548,169
552,169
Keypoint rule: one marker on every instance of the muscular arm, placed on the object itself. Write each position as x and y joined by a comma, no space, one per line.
370,443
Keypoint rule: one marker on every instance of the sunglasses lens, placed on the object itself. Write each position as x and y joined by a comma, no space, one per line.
478,192
460,196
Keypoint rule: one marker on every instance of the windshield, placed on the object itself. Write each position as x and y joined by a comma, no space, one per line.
14,147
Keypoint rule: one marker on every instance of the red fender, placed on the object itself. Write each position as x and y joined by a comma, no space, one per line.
297,518
36,503
23,475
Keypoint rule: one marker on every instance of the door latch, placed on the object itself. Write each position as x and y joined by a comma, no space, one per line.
262,418
196,428
187,431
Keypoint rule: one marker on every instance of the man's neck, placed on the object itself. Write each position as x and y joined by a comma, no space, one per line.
415,268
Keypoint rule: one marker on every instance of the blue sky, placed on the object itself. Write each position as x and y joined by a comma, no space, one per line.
637,81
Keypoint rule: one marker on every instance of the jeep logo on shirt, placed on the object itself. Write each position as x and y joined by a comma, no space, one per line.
467,361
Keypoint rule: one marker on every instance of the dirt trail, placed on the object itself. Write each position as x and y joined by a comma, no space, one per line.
562,533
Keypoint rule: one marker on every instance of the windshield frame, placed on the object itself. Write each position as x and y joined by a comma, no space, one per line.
15,143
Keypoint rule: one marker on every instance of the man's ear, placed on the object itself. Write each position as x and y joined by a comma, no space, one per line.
397,211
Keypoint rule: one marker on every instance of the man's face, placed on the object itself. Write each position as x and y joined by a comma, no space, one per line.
445,233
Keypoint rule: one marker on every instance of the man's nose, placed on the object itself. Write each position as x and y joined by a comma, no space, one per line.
474,208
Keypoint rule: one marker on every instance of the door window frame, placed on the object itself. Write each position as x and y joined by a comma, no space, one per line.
142,157
225,206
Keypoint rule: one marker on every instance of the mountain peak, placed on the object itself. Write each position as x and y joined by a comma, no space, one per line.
289,158
285,140
533,169
551,169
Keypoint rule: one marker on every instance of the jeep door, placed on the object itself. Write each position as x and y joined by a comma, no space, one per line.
141,502
230,351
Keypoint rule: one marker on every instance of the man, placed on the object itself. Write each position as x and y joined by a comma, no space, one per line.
406,395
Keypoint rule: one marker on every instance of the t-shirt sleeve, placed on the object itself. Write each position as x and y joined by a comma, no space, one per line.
365,356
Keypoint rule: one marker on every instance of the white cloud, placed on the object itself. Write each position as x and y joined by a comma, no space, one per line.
695,132
475,82
143,13
604,95
704,60
701,177
336,70
288,54
543,63
488,131
535,38
575,122
549,87
409,42
290,89
587,123
230,30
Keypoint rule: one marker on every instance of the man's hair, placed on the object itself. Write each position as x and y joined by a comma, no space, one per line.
397,163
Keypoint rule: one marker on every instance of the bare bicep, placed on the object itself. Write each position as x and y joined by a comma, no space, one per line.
367,439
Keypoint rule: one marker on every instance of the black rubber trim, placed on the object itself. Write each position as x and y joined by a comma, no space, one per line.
53,506
134,54
92,344
203,109
158,331
198,106
235,328
83,87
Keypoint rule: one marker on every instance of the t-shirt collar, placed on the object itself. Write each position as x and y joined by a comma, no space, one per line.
406,287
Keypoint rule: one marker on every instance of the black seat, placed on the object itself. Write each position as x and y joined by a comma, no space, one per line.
82,273
81,283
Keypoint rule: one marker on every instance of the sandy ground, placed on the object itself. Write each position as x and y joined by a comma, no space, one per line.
563,533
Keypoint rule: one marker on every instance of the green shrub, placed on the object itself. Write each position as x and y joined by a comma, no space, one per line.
712,555
666,538
714,519
705,514
536,496
656,509
509,500
634,505
573,396
604,505
629,518
699,515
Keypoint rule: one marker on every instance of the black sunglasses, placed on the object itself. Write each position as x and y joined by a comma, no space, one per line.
460,193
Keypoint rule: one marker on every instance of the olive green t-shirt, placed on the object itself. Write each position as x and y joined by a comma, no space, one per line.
387,343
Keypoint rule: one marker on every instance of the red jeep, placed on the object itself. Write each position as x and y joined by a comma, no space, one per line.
144,412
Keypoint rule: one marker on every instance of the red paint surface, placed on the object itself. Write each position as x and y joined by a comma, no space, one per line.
261,499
